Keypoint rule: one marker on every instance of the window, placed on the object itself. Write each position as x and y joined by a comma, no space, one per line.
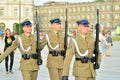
117,7
70,17
41,11
92,16
109,16
88,8
88,16
78,9
108,24
15,0
45,10
49,11
97,7
53,10
57,10
27,12
61,17
116,16
93,8
78,16
1,12
103,16
109,7
103,8
61,10
74,9
83,8
83,16
70,10
15,12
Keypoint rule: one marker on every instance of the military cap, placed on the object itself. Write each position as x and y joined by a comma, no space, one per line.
57,20
83,22
26,23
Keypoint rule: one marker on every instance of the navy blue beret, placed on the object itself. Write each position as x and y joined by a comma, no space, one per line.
26,23
83,22
57,20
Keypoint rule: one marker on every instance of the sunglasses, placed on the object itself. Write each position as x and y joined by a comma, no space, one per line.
86,26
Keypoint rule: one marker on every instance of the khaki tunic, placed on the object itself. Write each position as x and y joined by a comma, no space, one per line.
27,41
54,61
80,69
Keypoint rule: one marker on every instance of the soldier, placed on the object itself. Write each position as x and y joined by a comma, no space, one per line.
82,46
55,42
26,43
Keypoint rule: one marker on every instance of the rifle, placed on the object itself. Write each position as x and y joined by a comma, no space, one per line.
39,62
66,32
96,50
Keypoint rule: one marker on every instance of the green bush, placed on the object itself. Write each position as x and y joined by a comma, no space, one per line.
116,38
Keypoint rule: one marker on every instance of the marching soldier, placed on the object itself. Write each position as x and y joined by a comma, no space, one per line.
55,43
82,46
26,43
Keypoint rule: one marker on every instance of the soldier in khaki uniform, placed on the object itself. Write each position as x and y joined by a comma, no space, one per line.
55,42
82,46
26,43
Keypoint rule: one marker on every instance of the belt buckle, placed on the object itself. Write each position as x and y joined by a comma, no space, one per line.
58,52
28,56
84,59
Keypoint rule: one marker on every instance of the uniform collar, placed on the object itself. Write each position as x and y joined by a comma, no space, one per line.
27,35
83,36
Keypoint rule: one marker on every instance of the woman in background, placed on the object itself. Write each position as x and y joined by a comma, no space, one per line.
103,43
8,39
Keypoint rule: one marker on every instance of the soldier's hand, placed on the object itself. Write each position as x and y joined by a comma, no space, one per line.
40,62
96,66
64,77
0,52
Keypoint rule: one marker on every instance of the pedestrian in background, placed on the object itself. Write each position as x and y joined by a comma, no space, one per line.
55,42
109,44
82,46
8,39
103,43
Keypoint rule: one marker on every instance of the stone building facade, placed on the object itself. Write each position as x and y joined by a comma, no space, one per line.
15,11
12,12
109,14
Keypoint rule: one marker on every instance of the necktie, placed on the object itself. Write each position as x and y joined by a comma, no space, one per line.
86,40
57,35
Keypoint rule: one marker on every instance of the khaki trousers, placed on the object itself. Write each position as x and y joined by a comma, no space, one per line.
55,73
84,78
29,75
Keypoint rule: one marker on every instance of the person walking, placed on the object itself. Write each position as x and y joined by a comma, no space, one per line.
82,46
55,42
26,42
8,39
109,44
103,43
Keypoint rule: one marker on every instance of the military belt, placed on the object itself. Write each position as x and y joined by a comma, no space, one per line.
86,59
57,53
29,56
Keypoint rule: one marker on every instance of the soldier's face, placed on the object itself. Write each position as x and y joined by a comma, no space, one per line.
83,30
57,27
27,29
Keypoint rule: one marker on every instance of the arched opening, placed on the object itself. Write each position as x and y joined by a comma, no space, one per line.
2,28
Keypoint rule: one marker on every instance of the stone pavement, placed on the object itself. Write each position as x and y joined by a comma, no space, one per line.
109,70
